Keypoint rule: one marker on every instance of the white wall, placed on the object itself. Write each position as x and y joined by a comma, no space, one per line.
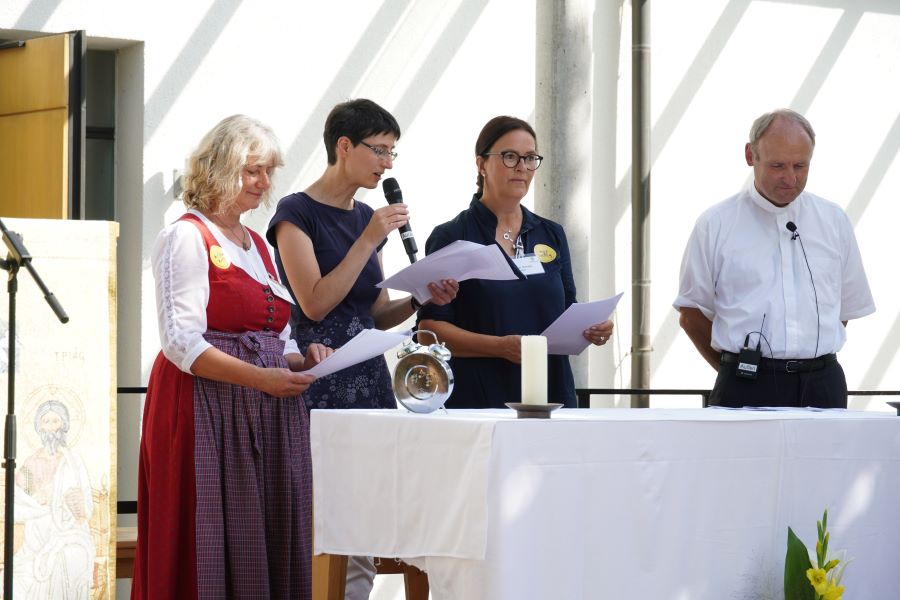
444,68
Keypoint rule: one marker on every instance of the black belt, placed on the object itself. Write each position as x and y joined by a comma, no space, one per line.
780,365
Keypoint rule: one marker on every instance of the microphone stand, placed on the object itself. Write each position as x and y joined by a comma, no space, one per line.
17,257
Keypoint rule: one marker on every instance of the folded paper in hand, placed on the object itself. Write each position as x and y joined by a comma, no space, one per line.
366,344
460,260
565,335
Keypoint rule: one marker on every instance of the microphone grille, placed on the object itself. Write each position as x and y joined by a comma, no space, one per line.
392,190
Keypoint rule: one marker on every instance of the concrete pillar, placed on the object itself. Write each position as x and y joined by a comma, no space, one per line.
563,107
607,196
641,347
138,341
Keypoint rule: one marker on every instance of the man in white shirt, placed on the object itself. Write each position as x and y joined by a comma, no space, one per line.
770,278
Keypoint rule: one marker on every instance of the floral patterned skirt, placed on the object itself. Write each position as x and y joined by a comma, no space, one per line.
366,385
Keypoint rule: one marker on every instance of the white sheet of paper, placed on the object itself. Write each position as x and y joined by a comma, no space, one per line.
460,260
366,344
564,335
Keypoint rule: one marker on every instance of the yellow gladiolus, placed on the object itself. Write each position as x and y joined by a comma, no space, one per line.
827,566
834,592
818,580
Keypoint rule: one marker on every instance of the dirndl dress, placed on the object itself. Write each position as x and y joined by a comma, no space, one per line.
225,477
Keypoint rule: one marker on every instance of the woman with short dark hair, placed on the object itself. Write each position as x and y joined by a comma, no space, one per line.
328,249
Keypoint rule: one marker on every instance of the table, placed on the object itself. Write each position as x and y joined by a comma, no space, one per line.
610,503
126,545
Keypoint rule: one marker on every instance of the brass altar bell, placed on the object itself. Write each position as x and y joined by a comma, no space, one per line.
422,379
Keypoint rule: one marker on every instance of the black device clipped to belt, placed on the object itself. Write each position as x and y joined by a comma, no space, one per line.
748,358
748,362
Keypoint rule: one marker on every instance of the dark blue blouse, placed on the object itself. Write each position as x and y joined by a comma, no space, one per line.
521,307
332,231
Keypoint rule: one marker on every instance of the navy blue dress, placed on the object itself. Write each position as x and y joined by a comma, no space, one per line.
522,307
332,231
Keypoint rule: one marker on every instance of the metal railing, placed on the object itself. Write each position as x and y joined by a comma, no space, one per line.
583,395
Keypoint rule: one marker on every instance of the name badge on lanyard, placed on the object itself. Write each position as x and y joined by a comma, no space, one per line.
529,264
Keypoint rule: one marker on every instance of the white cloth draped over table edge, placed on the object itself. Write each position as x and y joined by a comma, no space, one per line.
623,503
440,481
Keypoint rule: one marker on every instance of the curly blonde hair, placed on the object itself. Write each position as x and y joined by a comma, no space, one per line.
212,178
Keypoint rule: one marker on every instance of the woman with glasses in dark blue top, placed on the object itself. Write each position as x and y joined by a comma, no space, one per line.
328,250
483,325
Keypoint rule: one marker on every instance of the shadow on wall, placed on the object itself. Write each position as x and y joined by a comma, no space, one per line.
304,146
874,175
359,61
182,69
36,14
157,201
700,68
879,367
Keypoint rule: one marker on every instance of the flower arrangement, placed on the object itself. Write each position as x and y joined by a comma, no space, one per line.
813,576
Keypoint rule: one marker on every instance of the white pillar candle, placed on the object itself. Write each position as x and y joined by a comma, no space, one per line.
534,369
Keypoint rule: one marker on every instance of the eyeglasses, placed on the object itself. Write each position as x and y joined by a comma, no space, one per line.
382,153
511,159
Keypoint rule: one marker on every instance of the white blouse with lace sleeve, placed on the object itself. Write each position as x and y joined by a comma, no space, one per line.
180,268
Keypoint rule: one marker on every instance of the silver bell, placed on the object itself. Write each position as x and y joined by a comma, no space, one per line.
423,379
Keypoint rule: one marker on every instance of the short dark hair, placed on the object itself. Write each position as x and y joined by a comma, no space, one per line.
492,131
356,119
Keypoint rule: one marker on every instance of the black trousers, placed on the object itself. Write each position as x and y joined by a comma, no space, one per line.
825,388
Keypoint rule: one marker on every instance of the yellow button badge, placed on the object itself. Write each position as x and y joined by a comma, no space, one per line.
544,253
218,258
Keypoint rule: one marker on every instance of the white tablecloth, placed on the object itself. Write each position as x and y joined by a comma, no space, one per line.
616,503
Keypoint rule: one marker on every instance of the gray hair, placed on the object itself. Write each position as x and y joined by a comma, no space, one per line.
761,124
52,406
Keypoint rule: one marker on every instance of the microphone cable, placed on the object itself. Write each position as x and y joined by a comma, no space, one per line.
790,226
796,235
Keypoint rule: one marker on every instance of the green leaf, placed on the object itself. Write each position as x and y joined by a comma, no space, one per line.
796,562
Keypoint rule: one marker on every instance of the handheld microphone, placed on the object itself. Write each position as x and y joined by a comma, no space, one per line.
793,229
393,195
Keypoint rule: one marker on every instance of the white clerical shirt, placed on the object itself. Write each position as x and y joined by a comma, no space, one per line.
741,265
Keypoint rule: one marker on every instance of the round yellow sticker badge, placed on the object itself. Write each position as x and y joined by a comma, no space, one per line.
218,258
544,253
